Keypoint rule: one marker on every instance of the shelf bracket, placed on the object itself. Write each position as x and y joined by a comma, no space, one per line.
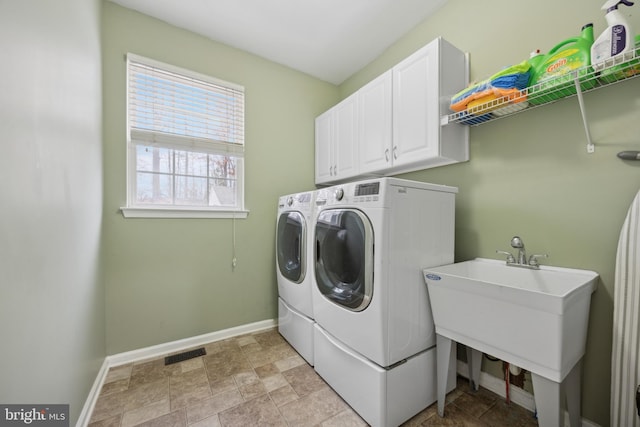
590,146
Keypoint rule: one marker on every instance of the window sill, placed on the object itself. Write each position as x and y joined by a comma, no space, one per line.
166,212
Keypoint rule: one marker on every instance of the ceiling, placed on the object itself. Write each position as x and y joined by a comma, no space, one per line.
328,39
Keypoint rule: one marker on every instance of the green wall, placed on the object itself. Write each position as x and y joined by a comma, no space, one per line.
529,174
168,279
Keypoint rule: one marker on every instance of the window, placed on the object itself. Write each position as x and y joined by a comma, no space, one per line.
185,143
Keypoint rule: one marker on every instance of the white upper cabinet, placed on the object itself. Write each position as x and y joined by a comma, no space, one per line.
324,156
336,142
346,138
422,87
396,119
374,124
416,118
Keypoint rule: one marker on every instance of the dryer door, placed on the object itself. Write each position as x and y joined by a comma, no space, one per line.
344,257
290,245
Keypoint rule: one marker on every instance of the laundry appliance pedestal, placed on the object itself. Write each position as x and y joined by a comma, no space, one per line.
382,397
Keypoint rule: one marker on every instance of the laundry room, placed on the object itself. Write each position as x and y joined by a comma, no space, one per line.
90,282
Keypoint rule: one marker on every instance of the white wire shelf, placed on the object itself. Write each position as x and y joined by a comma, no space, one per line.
576,82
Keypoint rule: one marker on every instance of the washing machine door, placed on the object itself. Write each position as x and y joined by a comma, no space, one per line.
344,257
290,245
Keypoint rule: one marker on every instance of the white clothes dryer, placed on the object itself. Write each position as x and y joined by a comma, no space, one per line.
373,317
294,270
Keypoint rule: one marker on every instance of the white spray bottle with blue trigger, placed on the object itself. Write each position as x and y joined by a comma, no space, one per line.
617,41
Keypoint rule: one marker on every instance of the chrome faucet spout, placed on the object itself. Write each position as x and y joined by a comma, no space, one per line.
521,260
517,243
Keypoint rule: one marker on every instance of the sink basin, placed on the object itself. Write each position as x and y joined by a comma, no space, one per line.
536,319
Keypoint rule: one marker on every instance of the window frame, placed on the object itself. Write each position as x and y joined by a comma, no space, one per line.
137,210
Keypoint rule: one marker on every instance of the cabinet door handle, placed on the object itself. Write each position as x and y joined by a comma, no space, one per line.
386,154
395,152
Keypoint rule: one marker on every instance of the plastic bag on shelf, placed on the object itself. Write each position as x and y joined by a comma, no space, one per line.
504,87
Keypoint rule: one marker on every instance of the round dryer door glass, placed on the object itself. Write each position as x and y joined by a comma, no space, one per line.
290,244
344,257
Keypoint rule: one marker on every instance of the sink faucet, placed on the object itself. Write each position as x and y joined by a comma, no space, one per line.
517,243
521,261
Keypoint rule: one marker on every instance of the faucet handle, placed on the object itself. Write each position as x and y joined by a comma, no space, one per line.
533,259
510,258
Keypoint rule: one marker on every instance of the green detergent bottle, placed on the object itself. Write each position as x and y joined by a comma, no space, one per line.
554,74
535,59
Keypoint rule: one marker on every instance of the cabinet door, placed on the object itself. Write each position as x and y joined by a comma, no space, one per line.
346,138
374,122
324,148
416,114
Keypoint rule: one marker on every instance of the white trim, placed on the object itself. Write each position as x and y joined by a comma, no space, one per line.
171,347
517,395
158,351
158,212
90,403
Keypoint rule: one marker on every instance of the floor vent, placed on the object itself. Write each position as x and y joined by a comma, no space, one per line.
181,357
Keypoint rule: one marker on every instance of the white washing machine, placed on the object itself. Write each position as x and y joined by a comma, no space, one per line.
294,269
374,335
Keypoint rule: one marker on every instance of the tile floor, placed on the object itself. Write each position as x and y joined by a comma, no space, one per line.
259,380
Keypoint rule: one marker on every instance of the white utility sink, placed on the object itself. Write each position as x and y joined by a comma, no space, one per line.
536,319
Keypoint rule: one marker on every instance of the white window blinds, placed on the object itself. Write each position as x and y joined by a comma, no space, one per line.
185,140
169,106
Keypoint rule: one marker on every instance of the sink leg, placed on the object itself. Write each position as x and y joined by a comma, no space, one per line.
547,395
571,386
550,395
444,347
474,360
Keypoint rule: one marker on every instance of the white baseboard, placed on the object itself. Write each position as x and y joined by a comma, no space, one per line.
159,351
174,346
90,403
517,395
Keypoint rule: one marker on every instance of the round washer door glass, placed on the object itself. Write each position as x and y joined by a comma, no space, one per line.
344,257
290,244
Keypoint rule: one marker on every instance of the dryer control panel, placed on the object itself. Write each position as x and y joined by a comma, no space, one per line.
368,189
